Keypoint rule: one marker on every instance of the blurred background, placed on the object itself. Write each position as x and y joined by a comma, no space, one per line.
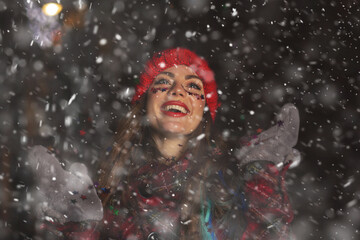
68,71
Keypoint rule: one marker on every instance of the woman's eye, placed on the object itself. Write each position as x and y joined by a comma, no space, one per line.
162,81
195,86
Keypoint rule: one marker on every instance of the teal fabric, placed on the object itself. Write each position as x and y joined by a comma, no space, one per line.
207,231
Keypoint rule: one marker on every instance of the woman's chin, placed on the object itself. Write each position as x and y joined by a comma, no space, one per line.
175,128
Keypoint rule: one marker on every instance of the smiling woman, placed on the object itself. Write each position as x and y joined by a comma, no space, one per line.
175,111
165,148
169,175
177,108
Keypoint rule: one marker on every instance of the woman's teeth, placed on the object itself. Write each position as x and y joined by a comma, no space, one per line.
175,108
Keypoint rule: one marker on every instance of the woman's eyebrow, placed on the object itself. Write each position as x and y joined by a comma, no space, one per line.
187,77
192,76
168,74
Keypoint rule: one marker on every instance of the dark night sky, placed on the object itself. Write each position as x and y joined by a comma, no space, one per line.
264,53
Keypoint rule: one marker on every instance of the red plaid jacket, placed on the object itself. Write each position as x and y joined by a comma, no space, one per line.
253,205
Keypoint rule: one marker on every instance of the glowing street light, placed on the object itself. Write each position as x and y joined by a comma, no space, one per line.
51,9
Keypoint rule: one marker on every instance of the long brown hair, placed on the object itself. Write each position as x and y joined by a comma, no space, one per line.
134,136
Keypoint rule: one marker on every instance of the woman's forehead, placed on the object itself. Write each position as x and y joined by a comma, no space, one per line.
180,70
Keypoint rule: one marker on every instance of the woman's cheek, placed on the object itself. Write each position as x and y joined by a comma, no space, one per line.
198,108
156,90
198,97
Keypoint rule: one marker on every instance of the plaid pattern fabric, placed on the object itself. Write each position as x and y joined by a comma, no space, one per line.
257,206
153,196
269,212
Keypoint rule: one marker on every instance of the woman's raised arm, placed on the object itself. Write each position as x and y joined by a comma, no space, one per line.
250,201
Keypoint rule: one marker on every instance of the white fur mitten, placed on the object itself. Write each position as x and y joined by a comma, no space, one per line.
276,143
63,196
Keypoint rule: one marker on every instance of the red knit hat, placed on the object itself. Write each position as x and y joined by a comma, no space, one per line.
179,56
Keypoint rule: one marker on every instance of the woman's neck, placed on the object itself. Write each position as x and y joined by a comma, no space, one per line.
170,147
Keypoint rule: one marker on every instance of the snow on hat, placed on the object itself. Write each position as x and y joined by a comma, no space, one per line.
179,56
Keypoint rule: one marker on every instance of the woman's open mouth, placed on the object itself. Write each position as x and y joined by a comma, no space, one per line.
175,109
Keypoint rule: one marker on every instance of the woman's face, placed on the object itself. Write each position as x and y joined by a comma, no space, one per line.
176,101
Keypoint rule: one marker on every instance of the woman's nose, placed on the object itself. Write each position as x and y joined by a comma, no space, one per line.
177,89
